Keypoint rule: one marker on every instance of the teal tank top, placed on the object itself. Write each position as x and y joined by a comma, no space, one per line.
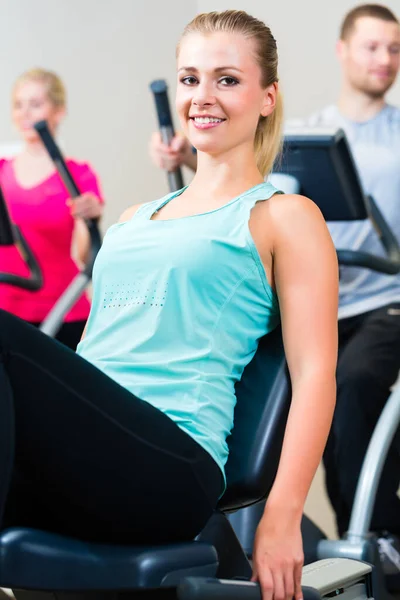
178,308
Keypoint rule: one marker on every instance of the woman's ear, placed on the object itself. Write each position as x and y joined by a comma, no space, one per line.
269,100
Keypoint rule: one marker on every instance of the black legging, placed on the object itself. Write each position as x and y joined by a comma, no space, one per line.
80,455
69,333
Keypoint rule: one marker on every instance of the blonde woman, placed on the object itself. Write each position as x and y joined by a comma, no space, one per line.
133,429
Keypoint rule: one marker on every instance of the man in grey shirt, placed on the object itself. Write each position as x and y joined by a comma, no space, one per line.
369,308
369,311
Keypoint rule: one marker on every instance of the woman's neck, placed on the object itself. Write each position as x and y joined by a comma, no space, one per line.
225,176
33,165
34,150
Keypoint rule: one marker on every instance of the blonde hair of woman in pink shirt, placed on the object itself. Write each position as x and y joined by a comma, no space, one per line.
39,204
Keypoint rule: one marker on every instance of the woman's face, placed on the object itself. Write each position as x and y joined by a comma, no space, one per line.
31,104
219,94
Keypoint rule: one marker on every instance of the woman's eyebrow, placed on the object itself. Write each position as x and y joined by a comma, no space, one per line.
217,70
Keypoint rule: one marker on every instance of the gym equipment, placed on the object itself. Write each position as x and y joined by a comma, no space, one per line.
159,89
359,542
319,580
10,235
54,319
38,564
319,164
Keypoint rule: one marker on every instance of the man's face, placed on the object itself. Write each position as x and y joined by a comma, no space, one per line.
370,56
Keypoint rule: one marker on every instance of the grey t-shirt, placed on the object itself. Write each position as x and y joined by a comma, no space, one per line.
375,145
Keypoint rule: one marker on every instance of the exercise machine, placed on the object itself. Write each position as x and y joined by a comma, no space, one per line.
319,164
160,92
40,565
55,318
307,164
10,235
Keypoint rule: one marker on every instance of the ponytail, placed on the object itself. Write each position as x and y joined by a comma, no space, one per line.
268,139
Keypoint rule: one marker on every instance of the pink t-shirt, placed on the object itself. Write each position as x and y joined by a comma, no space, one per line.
46,223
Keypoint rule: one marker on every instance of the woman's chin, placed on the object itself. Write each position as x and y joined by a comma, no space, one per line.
29,135
206,146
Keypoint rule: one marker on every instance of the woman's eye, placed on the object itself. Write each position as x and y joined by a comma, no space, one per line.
229,81
189,80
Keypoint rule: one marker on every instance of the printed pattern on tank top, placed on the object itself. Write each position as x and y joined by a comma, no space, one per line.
122,295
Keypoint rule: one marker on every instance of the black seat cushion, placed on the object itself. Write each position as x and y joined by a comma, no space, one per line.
32,559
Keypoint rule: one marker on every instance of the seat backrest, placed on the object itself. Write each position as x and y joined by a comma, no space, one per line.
263,402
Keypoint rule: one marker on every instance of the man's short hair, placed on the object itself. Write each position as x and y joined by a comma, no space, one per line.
376,11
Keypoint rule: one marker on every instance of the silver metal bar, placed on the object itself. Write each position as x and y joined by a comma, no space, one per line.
175,180
371,471
74,291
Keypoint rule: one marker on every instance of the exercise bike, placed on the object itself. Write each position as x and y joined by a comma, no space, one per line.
39,565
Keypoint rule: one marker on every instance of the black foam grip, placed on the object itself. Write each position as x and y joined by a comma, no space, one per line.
56,156
159,89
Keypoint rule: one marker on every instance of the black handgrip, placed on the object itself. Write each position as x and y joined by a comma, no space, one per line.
56,156
69,182
160,92
202,588
354,258
6,229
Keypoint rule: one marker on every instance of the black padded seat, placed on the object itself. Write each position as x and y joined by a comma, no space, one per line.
32,559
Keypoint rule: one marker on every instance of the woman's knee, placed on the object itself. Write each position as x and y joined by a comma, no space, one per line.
14,332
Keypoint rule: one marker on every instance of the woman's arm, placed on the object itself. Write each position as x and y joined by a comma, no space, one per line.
306,278
80,243
83,332
89,205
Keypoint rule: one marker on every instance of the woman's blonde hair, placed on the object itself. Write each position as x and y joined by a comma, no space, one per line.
268,138
54,86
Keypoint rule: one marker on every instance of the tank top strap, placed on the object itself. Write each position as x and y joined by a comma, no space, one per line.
145,211
259,193
245,202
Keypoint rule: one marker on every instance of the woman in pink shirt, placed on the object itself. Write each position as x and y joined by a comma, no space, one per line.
39,204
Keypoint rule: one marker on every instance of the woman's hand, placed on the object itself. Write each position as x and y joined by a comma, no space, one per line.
85,206
278,556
